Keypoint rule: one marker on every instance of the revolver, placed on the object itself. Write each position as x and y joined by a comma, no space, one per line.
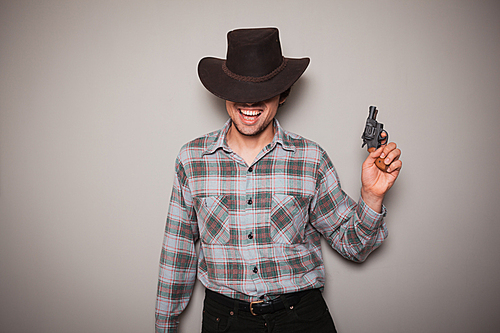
372,135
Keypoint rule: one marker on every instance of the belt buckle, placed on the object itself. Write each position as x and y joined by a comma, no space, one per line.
251,307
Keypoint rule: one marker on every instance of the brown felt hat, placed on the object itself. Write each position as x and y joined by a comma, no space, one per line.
255,69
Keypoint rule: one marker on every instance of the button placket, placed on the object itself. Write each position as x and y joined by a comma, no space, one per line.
249,200
249,184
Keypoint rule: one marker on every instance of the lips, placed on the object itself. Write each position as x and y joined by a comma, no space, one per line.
249,115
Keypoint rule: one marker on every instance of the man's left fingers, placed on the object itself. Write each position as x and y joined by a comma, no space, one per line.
396,165
392,156
388,149
384,136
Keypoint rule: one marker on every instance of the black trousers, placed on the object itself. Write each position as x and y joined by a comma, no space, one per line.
311,314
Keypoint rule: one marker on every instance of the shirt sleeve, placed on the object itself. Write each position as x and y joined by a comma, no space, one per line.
178,260
353,229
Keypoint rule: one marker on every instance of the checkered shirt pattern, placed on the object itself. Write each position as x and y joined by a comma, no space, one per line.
259,226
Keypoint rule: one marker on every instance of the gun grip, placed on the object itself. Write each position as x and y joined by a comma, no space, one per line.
379,162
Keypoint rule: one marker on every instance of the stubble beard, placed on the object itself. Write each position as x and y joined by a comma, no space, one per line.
259,129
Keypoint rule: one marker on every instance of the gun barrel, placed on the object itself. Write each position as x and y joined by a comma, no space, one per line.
373,112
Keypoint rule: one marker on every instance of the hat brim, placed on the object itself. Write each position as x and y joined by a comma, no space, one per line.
221,85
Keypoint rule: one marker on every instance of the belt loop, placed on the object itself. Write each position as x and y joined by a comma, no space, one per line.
285,301
236,308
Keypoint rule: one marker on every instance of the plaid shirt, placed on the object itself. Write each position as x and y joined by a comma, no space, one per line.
259,225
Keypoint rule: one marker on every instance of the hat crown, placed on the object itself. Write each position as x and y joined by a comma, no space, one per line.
253,52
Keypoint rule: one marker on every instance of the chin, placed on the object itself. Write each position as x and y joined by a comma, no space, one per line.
249,132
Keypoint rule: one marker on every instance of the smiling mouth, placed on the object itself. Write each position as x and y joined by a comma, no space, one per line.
250,115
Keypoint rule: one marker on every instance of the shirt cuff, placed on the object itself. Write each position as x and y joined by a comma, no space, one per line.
369,218
168,326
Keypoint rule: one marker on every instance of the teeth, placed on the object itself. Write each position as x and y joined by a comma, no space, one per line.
250,113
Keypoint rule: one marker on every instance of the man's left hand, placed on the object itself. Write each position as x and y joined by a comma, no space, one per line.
375,182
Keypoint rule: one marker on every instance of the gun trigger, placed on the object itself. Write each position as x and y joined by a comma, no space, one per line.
381,138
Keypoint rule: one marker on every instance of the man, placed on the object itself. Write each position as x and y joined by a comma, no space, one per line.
259,198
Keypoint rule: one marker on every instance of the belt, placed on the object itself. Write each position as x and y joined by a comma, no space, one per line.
258,307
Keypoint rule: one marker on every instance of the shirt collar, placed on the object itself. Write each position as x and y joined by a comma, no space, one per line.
280,136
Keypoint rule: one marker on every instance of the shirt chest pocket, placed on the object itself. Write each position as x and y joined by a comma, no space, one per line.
213,219
289,216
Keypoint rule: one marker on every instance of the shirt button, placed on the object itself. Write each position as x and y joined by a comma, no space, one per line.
249,201
255,270
250,236
250,169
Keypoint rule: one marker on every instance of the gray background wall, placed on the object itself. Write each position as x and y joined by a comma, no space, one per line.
96,98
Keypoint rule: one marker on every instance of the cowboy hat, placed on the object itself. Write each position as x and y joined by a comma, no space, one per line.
255,69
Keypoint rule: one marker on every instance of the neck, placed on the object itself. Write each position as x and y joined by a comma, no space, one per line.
249,146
